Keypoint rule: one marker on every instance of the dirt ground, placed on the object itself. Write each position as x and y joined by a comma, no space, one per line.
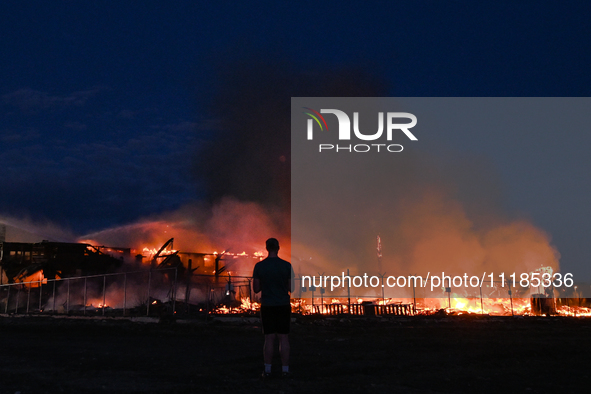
428,354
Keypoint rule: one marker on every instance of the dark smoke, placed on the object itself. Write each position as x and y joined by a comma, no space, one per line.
248,157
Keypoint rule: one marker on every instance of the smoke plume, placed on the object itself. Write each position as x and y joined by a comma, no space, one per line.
248,157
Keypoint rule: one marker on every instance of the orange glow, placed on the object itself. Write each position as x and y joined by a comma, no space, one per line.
574,311
35,279
250,306
99,304
150,252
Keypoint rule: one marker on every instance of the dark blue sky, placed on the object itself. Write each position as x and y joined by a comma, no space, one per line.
104,106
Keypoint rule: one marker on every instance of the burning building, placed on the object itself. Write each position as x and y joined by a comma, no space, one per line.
20,261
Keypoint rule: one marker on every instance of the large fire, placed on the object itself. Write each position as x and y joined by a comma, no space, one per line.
189,284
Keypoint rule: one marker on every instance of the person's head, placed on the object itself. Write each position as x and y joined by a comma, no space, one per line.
272,245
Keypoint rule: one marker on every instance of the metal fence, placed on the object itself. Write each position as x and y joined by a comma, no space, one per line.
91,294
161,291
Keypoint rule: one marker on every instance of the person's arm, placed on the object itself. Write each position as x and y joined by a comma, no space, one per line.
256,281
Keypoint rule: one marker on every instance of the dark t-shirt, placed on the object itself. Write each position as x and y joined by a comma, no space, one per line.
274,275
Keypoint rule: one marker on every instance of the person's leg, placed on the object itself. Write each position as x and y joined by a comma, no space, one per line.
283,335
268,348
284,349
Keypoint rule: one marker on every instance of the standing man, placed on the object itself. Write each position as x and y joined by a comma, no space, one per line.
272,277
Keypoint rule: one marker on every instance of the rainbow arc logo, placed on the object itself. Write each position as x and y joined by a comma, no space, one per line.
387,123
315,117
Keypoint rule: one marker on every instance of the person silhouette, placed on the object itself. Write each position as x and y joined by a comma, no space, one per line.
272,278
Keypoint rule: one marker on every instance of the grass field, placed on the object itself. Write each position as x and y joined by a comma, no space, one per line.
422,354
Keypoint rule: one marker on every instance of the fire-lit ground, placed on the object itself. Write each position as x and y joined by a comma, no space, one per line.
421,354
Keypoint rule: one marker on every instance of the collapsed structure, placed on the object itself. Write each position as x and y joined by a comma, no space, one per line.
80,278
19,260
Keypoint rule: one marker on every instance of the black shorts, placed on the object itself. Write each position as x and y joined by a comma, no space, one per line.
276,319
